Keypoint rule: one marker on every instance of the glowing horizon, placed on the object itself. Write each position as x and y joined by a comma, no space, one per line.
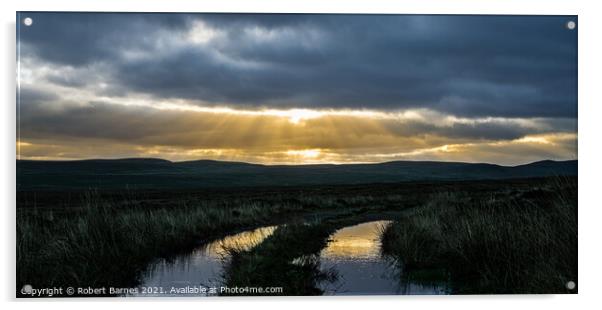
304,121
290,89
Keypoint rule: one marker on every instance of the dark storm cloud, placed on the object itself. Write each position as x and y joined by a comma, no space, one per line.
486,131
33,97
78,39
511,66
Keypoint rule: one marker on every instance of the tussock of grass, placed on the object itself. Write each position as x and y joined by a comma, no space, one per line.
288,259
521,242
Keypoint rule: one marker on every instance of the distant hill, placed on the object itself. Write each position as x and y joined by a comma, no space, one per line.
151,173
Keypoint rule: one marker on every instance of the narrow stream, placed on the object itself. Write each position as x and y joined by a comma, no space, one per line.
201,267
354,252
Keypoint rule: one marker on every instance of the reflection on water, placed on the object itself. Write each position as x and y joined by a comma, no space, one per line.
355,253
359,242
202,267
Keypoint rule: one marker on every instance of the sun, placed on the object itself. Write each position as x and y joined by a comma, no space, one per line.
295,116
306,154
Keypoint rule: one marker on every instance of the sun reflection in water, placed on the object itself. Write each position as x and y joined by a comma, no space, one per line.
355,242
244,240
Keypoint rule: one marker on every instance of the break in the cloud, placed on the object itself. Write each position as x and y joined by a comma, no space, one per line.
289,88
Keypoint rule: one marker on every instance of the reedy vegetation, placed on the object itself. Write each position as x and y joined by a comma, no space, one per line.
523,242
110,243
502,240
104,246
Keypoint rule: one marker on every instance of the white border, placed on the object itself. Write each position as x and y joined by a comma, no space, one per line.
589,26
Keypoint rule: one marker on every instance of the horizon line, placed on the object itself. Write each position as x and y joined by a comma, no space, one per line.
291,164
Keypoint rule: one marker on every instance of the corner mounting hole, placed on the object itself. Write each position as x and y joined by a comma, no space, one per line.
571,285
571,25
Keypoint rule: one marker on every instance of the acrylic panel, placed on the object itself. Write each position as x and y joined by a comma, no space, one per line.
204,154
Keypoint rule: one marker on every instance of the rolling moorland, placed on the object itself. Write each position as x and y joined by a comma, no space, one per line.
150,173
481,228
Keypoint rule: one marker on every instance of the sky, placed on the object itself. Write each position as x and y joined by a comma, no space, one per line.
297,89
